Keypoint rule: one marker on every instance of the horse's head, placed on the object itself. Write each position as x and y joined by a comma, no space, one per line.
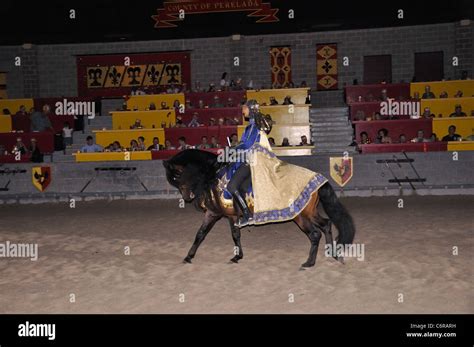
191,172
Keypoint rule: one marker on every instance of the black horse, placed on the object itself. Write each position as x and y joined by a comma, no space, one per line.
194,173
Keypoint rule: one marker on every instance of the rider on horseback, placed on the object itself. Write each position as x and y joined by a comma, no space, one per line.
242,176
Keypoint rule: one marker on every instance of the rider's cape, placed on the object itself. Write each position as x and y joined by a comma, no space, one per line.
280,190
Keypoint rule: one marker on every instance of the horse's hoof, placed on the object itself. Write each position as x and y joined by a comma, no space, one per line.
307,264
187,260
301,269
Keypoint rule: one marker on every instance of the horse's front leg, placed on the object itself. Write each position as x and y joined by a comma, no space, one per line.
238,253
209,220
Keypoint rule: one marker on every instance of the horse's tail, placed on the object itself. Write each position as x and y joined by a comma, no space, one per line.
337,214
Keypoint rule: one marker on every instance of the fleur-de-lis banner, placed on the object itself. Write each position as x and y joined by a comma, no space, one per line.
280,60
326,69
116,75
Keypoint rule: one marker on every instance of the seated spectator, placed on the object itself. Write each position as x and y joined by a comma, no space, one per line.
141,143
364,138
214,142
303,84
182,144
32,110
383,95
271,141
452,136
212,88
443,95
383,137
402,138
152,106
6,112
459,94
238,84
287,100
285,142
137,124
230,103
35,153
133,146
201,104
221,121
204,144
163,124
19,146
22,111
273,101
188,104
164,106
67,135
291,84
124,107
234,140
308,98
377,116
223,83
420,137
194,121
177,105
116,147
433,137
416,96
458,112
304,141
40,120
90,146
156,145
428,94
427,113
217,103
179,122
168,145
212,122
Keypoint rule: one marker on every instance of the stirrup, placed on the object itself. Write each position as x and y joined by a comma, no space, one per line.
241,222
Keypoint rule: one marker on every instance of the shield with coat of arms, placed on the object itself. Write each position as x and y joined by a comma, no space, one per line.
341,169
41,177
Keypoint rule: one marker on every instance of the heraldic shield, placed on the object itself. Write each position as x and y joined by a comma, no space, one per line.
341,169
41,177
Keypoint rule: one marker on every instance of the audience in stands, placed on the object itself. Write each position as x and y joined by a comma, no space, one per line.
402,138
428,94
271,141
458,112
427,113
182,144
382,137
168,145
452,136
90,146
22,111
40,120
212,122
137,124
155,146
285,142
287,100
164,106
364,138
194,121
273,101
6,112
383,95
416,96
141,143
304,141
217,102
204,144
420,137
443,95
152,106
434,137
67,135
36,155
234,140
230,102
459,94
201,104
214,142
19,147
133,146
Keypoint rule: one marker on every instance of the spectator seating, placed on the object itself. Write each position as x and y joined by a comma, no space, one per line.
166,154
404,147
373,92
298,95
40,102
205,114
287,114
106,137
446,106
208,98
292,132
409,127
193,135
369,109
44,139
292,151
112,156
23,123
142,102
11,158
122,120
451,87
460,146
5,124
464,126
13,105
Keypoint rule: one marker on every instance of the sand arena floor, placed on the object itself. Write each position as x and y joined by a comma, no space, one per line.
81,251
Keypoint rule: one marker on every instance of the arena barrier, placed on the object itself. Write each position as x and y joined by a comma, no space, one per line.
45,140
395,128
445,107
464,126
122,120
142,102
287,114
298,95
106,137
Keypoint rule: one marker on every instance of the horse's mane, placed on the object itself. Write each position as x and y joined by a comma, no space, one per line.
204,166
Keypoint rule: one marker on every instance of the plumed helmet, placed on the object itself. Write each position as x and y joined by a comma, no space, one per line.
252,104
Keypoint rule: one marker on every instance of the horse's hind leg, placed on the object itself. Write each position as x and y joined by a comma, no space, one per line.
313,232
238,253
206,226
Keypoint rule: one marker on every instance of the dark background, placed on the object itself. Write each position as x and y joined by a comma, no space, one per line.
111,20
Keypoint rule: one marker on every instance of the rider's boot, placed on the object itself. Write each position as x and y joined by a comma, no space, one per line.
246,218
